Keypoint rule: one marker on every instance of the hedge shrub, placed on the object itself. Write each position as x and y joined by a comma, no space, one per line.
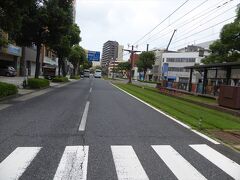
60,79
7,89
34,83
74,77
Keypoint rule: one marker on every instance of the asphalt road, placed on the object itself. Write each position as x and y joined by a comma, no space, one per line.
92,130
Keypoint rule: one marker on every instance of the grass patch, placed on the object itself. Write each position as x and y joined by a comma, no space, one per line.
7,89
189,113
200,99
60,79
34,83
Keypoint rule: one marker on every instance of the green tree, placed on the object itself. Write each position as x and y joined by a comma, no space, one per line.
34,29
124,66
87,64
146,61
98,67
76,57
63,34
11,16
227,48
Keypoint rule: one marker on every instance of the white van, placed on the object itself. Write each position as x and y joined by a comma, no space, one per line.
98,73
86,73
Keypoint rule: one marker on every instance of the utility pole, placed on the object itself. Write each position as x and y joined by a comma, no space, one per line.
147,47
132,51
171,39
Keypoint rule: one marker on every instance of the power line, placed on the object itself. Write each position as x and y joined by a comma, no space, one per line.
192,19
208,21
206,13
178,19
203,30
196,40
161,22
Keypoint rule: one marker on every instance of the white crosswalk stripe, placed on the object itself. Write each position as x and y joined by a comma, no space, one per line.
180,167
127,165
73,164
224,163
16,163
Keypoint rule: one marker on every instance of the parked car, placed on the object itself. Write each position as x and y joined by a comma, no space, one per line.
49,72
8,71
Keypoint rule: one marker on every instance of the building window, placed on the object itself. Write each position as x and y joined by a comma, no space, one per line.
178,69
181,59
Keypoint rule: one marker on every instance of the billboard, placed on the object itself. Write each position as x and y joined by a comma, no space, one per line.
93,55
165,69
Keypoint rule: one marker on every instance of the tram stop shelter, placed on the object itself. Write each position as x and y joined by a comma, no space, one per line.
215,75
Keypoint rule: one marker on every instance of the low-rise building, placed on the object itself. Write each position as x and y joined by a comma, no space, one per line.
48,58
169,65
10,56
112,67
135,73
28,61
173,70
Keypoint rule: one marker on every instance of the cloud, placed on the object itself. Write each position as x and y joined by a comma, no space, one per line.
127,20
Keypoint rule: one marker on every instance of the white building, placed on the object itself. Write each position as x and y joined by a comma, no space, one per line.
120,53
173,64
169,65
96,63
157,67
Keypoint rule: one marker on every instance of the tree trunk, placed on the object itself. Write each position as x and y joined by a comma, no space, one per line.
63,69
74,70
59,66
37,71
77,68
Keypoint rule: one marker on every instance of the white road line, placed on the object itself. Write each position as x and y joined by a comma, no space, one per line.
205,137
221,161
90,90
176,163
4,106
127,164
73,164
84,118
16,163
170,117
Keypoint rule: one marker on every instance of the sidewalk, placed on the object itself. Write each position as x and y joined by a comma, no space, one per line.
18,81
12,80
24,92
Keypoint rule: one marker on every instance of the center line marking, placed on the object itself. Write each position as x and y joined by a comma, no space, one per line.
84,118
90,90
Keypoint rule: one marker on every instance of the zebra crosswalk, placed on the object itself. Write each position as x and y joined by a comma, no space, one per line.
74,162
16,163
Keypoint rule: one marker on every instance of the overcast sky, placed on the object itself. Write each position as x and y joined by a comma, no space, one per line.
126,21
